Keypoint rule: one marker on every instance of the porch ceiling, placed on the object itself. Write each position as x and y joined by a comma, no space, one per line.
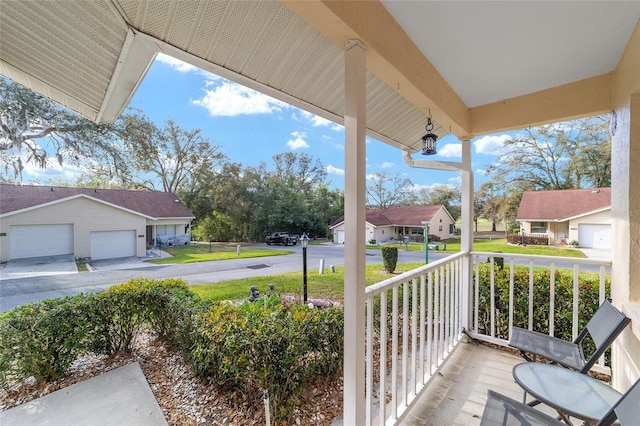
449,58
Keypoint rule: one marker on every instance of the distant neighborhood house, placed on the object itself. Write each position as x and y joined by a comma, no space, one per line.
91,223
582,215
393,223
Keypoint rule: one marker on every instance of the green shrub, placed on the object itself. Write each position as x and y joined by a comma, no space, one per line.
250,348
389,258
42,339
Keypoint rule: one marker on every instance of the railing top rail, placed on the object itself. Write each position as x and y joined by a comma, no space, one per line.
557,259
389,283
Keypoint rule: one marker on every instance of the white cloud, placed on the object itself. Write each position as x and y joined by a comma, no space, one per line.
334,170
184,67
298,141
456,181
450,150
317,121
491,144
416,187
174,63
387,165
230,99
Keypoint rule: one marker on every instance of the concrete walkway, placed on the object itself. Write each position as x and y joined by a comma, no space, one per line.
117,398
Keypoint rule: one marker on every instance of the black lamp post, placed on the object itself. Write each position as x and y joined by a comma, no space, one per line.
210,237
304,241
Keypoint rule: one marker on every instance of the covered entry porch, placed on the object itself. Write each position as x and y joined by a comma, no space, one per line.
380,68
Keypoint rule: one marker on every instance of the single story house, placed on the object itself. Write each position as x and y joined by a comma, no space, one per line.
86,222
395,222
582,215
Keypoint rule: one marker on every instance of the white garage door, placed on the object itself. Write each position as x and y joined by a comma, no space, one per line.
594,236
112,244
40,240
340,237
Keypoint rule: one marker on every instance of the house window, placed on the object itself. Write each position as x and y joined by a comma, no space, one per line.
440,228
538,227
451,228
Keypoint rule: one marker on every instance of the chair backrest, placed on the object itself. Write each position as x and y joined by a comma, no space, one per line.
503,411
626,410
606,321
603,327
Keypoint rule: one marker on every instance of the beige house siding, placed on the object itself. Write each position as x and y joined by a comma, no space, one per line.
85,215
440,226
602,218
569,229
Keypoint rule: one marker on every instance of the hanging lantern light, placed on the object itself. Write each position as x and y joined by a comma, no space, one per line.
429,139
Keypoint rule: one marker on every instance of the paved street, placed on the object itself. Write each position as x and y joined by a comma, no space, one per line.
14,292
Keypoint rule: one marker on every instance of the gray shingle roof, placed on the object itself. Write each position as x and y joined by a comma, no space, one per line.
150,203
562,204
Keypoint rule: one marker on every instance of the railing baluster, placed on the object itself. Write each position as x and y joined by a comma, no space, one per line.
576,296
369,363
383,358
447,309
530,295
601,296
394,354
423,286
441,296
405,341
552,299
493,298
476,297
430,322
414,334
511,286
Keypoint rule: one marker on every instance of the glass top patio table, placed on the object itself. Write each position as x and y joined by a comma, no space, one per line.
569,392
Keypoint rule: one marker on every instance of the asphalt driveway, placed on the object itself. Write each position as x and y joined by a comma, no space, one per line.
38,267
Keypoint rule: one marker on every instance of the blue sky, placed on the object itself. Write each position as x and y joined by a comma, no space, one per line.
251,127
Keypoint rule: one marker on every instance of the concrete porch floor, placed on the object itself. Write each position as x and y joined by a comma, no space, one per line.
457,395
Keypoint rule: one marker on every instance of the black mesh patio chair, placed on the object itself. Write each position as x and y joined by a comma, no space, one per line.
603,328
503,411
627,410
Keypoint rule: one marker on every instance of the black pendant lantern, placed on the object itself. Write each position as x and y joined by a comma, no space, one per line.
429,140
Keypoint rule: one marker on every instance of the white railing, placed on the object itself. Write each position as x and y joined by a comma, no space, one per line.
414,321
493,323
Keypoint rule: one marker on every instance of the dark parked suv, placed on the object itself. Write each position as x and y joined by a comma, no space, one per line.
282,238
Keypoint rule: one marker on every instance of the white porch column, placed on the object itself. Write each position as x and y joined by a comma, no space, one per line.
466,237
354,222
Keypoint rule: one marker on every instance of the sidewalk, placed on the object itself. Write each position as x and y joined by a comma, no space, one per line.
117,398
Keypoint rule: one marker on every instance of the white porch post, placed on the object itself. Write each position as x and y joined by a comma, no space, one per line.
466,237
354,245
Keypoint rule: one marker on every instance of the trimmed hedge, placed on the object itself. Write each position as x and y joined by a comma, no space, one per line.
563,312
528,240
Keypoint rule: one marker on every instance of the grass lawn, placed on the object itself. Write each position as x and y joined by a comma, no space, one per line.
319,286
495,245
199,252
